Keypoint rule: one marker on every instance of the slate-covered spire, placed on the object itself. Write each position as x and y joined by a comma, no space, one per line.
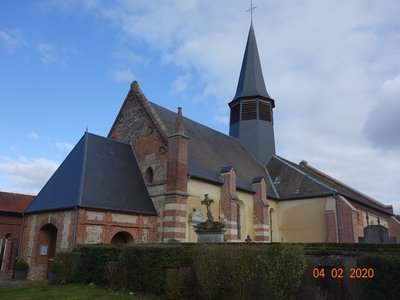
251,118
251,80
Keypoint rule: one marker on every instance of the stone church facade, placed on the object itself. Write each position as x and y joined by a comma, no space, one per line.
145,181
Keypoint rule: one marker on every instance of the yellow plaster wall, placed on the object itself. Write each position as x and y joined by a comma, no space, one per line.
302,220
276,233
247,215
196,191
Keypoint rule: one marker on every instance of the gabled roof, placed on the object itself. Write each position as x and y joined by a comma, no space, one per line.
13,202
210,151
292,183
98,173
343,189
296,181
251,80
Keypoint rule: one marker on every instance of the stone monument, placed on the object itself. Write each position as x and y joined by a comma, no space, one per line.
210,231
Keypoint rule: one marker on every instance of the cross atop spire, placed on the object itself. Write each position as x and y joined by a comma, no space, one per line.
251,10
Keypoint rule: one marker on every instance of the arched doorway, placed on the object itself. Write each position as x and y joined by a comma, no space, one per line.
122,237
47,244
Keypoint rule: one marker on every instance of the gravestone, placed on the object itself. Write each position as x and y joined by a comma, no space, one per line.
377,234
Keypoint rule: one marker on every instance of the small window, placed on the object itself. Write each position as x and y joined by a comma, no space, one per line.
148,175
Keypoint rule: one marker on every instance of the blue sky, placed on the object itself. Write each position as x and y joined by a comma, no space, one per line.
333,68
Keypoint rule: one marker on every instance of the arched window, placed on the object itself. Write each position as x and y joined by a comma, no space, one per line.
148,175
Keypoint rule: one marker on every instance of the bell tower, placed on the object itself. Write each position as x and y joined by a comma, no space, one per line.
251,117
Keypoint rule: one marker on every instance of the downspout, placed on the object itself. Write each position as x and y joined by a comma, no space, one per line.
21,236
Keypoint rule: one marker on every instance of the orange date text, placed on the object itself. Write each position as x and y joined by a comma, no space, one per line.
339,273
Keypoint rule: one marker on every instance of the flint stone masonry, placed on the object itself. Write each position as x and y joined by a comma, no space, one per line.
66,232
94,216
93,234
119,218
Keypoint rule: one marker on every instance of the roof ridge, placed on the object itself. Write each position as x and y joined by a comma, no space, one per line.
270,180
291,165
191,120
306,165
79,201
15,193
107,138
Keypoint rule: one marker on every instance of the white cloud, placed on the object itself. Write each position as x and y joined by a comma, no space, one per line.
34,135
324,66
64,146
27,175
52,54
123,75
180,84
129,55
12,39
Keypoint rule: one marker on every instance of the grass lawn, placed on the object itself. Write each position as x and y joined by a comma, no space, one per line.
42,290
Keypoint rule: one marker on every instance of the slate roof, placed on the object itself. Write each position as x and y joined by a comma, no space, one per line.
13,202
98,173
251,80
210,151
296,181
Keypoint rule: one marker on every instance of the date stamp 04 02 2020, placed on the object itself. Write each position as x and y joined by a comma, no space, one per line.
339,273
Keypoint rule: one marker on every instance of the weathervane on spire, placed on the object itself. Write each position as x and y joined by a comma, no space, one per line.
251,10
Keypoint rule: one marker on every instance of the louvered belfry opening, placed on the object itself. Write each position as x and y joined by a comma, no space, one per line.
252,109
265,111
249,109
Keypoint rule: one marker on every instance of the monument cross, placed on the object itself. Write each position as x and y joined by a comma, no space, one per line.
207,202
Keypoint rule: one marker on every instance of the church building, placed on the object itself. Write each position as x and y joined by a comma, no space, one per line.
145,181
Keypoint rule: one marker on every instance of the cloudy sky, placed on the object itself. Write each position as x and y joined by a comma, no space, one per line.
333,68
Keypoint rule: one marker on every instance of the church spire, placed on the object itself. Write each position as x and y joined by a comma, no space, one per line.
251,118
251,79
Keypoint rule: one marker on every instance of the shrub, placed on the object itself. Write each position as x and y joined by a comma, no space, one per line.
147,264
67,262
208,261
115,275
281,267
173,284
385,283
21,265
56,267
240,269
92,260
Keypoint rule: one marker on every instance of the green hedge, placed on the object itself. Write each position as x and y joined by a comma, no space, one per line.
92,261
195,270
385,283
246,271
147,265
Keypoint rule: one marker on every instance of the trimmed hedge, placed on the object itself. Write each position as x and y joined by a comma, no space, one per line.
249,270
385,283
92,262
147,265
186,271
